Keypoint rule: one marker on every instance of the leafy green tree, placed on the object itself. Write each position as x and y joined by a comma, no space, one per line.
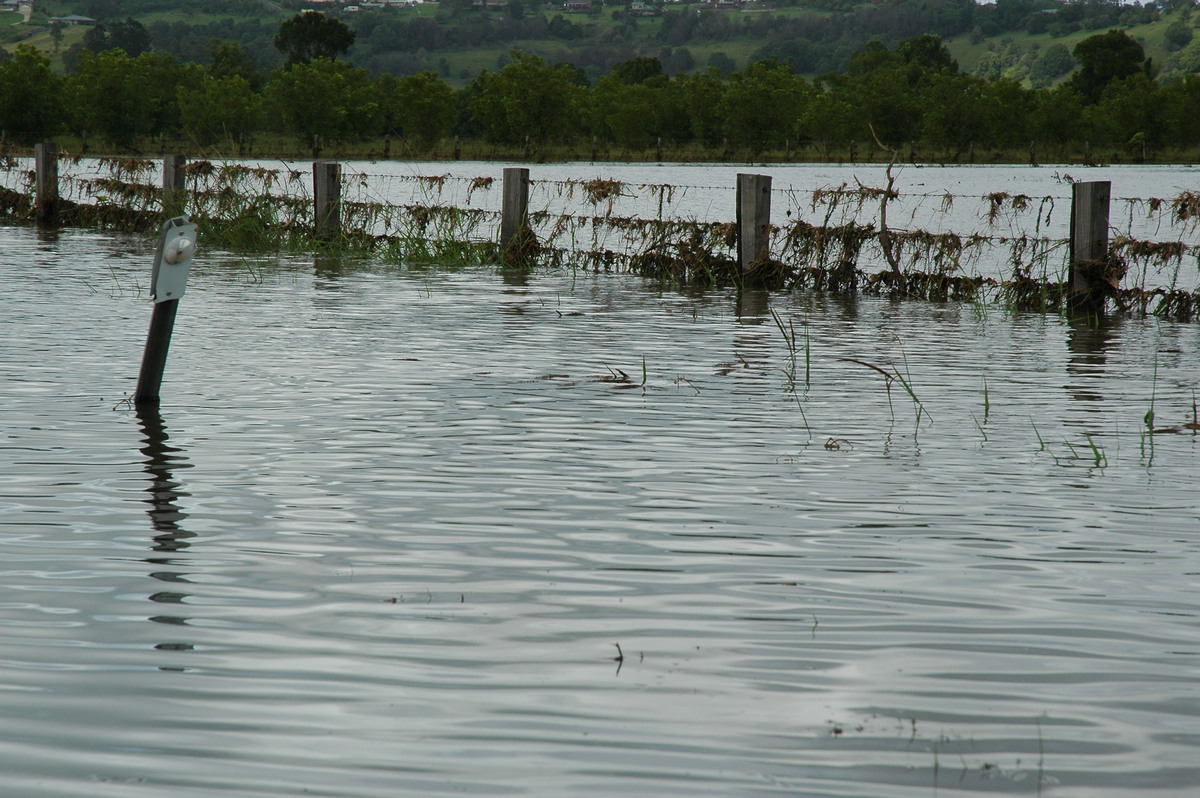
219,109
1178,34
325,98
310,35
1128,108
1007,108
230,59
31,96
634,114
1186,60
636,70
129,36
1181,111
703,98
123,98
1104,58
1058,115
721,62
1053,62
424,107
528,98
878,88
763,103
954,110
927,52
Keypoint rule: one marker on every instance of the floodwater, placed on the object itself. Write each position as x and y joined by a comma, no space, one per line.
413,532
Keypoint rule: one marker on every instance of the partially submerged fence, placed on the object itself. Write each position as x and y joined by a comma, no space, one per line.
1025,251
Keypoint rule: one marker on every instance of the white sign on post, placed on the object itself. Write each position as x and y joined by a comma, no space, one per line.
173,259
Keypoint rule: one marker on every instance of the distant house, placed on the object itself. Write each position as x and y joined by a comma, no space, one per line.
642,9
578,6
74,19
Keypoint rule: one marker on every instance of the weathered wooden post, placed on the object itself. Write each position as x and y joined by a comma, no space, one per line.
1089,247
327,199
753,221
658,150
457,149
174,185
45,157
515,236
168,280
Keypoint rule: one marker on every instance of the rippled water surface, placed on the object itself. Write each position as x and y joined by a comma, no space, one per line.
405,532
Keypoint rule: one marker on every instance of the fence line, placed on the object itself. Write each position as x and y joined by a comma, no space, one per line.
587,223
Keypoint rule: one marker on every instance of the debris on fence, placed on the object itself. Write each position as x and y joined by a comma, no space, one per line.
833,238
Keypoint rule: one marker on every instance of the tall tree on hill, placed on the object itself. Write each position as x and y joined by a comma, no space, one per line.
310,35
1104,58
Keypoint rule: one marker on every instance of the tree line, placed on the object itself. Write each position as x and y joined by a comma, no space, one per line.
911,93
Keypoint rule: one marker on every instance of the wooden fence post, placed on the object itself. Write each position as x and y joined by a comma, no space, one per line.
1089,247
327,199
753,220
515,235
174,201
45,156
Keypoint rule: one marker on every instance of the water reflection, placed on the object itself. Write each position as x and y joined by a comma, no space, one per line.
514,275
161,460
1088,341
753,307
329,271
166,516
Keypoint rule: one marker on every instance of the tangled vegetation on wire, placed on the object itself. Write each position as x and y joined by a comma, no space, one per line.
842,246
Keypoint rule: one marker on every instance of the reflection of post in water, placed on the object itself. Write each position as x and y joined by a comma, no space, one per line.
161,460
514,275
750,337
753,306
165,515
331,268
1088,340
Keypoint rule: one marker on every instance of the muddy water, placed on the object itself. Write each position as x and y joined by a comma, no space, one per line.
418,532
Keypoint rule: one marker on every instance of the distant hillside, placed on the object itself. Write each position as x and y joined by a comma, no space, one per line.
1029,40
